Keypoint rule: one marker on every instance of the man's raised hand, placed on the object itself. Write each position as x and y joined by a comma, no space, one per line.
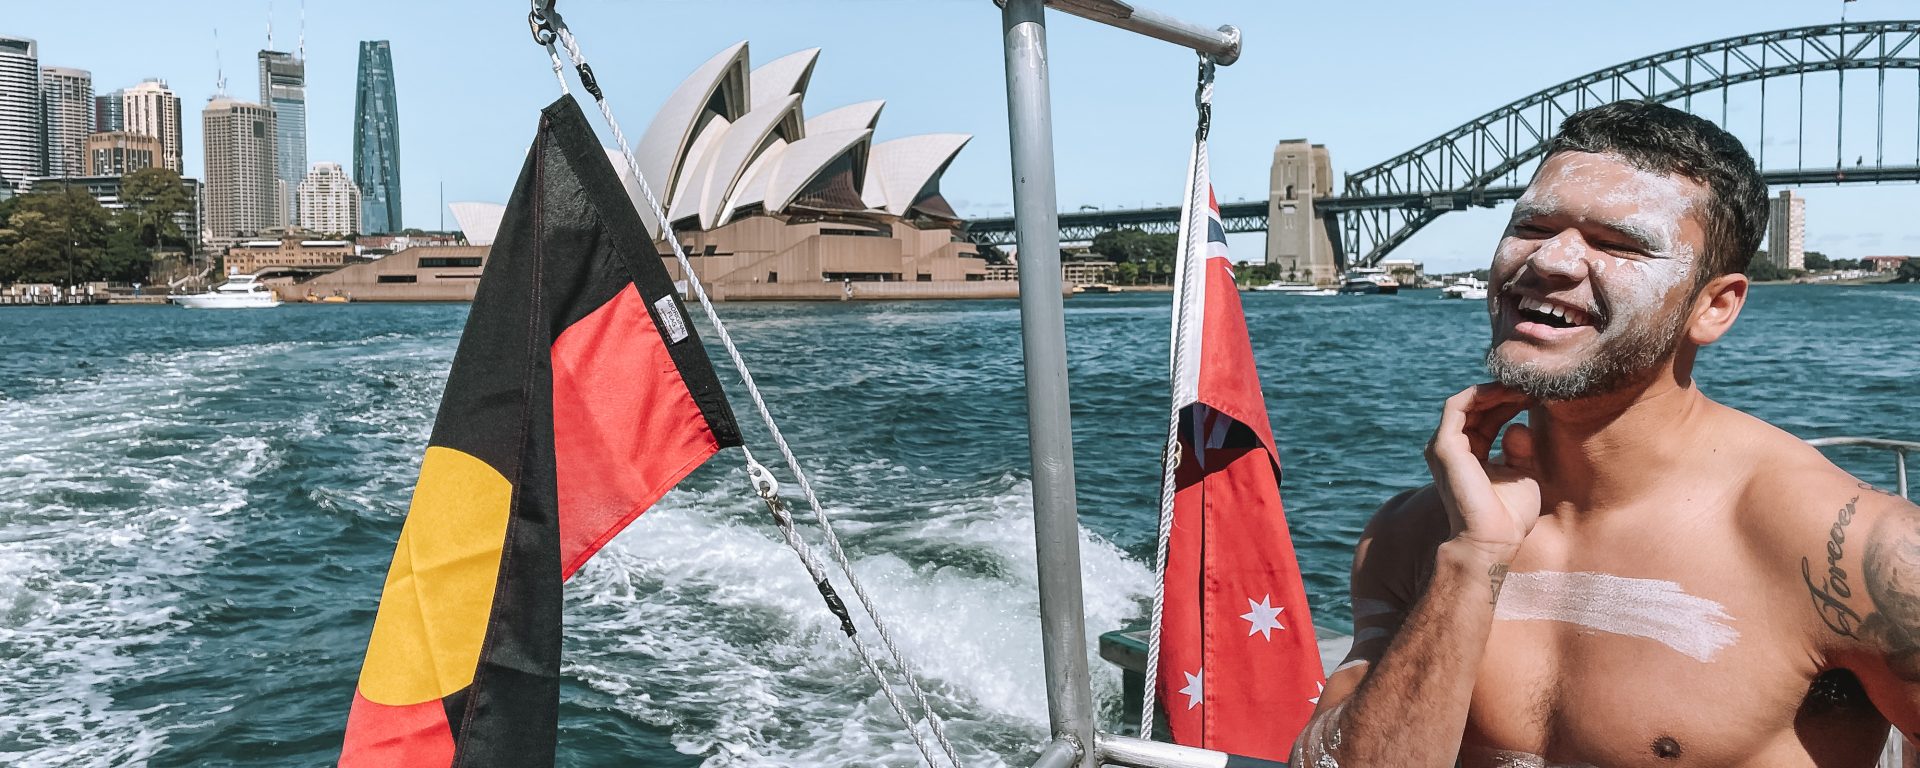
1492,503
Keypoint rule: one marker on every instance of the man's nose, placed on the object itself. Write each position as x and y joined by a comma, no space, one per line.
1564,256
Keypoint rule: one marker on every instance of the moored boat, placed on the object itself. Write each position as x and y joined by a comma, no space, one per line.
1370,280
238,292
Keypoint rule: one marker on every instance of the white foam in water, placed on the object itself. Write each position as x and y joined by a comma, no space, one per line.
699,620
84,582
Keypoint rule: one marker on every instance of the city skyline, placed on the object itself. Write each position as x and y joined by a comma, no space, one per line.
376,139
471,82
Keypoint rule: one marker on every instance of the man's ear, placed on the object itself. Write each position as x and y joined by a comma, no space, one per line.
1715,308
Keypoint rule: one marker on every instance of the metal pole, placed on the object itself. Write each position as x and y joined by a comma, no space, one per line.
1223,44
1056,525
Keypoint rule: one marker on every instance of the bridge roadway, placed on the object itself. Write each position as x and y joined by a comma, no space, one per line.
1082,226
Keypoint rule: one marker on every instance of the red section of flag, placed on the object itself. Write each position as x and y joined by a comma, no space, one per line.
1239,667
414,735
625,428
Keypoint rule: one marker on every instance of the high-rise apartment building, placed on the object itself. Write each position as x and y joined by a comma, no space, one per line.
66,106
329,201
110,112
22,153
283,88
118,153
376,140
240,181
151,109
1787,231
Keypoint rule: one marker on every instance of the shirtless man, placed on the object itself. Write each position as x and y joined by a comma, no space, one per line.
1644,577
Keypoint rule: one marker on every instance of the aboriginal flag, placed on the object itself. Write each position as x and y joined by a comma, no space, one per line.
580,395
1239,668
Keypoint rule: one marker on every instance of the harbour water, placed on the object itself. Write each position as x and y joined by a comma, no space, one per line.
197,510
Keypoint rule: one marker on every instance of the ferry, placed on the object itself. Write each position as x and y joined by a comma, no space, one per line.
238,292
1465,288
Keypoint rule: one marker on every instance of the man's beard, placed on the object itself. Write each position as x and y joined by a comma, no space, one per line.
1617,363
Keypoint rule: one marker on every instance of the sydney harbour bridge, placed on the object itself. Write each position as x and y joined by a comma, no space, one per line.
1489,159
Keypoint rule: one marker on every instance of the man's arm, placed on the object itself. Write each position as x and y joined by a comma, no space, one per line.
1887,627
1402,697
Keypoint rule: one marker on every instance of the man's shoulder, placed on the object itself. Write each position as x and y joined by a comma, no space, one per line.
1790,487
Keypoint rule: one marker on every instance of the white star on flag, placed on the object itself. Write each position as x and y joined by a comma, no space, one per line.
1193,688
1263,617
1318,688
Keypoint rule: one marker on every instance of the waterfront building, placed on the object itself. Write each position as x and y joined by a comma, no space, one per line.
1408,272
328,201
1087,272
105,190
1298,239
1787,231
1885,264
283,88
376,140
291,252
66,107
21,152
152,109
432,273
240,180
118,153
110,111
371,245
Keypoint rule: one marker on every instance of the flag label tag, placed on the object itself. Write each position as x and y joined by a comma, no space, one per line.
668,311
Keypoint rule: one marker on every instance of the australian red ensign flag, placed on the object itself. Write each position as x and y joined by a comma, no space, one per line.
1239,669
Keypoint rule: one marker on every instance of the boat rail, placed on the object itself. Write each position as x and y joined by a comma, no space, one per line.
1900,449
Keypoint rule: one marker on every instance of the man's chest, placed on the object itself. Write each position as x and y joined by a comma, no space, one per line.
1644,651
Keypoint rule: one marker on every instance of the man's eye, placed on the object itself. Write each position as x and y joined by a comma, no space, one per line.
1530,230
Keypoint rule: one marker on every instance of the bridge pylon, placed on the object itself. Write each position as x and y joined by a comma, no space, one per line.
1300,241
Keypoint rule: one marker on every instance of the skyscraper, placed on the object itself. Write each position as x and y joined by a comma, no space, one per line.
21,150
118,153
110,112
240,180
1787,230
66,103
329,202
151,109
376,140
283,88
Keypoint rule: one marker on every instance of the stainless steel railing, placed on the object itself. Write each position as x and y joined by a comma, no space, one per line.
1900,450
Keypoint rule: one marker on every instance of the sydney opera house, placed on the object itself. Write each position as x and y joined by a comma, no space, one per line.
773,203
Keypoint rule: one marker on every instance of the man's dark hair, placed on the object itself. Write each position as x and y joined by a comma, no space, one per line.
1660,139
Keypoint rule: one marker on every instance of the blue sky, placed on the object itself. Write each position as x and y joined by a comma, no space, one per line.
1369,79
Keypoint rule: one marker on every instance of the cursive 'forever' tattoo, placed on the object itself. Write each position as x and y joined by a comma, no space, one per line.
1829,592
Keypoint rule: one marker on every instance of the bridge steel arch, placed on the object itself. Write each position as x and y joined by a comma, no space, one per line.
1383,205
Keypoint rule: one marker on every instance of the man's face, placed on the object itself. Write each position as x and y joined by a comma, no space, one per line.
1593,275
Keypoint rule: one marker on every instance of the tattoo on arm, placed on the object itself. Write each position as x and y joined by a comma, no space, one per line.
1832,587
1892,575
1496,574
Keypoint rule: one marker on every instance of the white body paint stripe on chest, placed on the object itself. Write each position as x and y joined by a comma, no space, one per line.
1650,608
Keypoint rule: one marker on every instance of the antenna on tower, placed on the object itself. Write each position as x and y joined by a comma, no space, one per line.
301,54
219,70
269,25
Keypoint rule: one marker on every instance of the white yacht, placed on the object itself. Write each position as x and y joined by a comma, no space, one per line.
1465,288
238,292
1293,288
1370,280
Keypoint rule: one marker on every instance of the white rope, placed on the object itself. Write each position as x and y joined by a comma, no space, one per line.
1188,282
566,38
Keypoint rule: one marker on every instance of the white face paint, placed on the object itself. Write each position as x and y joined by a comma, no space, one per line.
1594,233
1646,608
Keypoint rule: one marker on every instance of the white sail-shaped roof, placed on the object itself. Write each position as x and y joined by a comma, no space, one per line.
695,165
751,190
717,88
784,76
803,161
865,114
478,221
743,141
900,170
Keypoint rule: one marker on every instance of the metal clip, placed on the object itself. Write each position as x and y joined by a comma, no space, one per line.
540,20
762,480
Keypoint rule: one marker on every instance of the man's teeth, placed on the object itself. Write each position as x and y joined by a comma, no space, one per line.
1570,315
